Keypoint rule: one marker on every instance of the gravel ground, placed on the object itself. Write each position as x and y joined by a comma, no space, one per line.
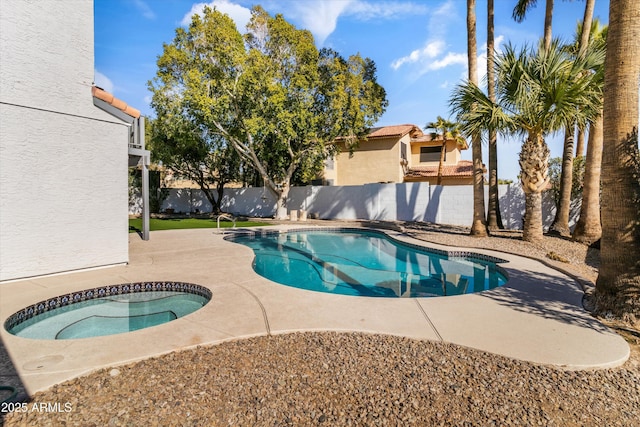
341,379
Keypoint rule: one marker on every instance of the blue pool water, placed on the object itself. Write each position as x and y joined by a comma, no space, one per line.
109,315
367,263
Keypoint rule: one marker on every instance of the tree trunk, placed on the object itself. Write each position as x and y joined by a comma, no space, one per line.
618,284
443,150
534,176
560,224
580,143
589,229
479,225
582,49
220,190
494,219
532,229
548,17
281,203
215,204
586,28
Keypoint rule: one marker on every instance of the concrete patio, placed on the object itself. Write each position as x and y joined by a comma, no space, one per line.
537,317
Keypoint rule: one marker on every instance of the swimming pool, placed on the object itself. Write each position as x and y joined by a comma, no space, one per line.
107,310
368,263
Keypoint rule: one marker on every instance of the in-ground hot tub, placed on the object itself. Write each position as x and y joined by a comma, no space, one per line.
107,310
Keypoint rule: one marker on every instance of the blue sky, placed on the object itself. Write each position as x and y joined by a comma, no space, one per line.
419,47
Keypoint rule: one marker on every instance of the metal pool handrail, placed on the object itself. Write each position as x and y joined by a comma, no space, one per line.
229,217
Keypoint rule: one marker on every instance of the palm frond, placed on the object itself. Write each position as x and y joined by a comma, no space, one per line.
476,112
521,8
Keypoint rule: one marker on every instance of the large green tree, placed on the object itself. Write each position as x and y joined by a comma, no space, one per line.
191,152
618,284
270,94
538,92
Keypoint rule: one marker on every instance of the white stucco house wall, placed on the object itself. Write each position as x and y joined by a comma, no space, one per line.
63,161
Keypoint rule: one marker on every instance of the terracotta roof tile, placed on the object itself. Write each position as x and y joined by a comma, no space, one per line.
388,131
115,102
425,138
463,169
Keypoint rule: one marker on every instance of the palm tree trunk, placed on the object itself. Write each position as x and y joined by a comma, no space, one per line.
532,229
443,150
588,229
582,49
548,17
479,225
494,219
560,224
586,27
534,176
580,143
519,12
618,284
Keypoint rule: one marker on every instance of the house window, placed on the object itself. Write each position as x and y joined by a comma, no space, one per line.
430,154
403,151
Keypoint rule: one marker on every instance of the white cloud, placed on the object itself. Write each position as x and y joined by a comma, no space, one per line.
431,50
440,21
433,57
318,17
321,17
451,58
366,11
103,81
144,9
240,14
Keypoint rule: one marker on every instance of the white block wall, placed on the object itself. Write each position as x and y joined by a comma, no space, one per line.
63,162
391,202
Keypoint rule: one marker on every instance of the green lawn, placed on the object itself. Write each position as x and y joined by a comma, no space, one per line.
184,223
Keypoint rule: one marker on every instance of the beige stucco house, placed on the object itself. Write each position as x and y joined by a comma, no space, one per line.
399,153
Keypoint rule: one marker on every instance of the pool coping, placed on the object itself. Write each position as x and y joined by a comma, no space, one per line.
537,316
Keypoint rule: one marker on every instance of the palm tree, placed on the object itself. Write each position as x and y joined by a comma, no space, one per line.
479,225
560,225
589,228
585,30
538,92
561,222
494,219
618,284
520,12
445,130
